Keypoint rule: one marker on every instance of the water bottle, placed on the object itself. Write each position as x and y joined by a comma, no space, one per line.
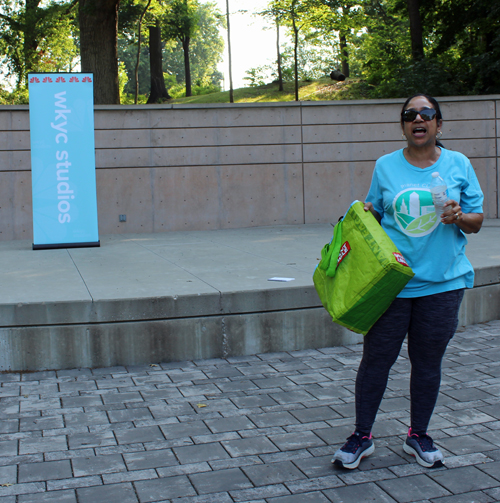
439,192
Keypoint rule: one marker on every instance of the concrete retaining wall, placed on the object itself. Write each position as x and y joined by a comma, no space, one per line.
173,167
107,345
77,345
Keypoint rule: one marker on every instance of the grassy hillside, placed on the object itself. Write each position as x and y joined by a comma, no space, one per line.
319,90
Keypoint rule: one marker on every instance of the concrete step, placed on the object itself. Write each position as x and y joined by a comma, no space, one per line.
177,296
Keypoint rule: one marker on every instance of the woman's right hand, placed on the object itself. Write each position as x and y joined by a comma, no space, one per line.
369,207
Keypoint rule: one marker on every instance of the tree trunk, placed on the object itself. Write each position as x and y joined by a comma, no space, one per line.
417,44
158,89
280,72
296,58
187,65
231,94
98,47
344,55
139,39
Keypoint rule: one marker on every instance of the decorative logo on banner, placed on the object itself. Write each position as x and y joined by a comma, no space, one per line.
63,160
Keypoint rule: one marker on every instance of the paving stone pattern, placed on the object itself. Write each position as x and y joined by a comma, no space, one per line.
251,429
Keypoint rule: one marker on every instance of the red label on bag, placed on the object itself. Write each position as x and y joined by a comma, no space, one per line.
400,259
344,250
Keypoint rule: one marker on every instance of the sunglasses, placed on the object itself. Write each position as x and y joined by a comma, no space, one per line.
427,114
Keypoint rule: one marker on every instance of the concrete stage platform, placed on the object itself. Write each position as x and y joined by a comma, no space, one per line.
149,298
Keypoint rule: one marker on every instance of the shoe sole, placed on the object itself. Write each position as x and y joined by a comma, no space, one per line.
412,452
355,463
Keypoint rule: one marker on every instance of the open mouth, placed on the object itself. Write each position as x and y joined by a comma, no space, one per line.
419,131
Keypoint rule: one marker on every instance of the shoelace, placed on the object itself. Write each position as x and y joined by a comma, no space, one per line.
353,443
425,442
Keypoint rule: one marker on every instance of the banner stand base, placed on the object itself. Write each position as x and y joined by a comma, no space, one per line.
54,246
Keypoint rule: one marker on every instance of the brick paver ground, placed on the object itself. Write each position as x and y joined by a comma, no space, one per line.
251,429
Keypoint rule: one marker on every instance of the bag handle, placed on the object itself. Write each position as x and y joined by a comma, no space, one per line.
332,249
330,252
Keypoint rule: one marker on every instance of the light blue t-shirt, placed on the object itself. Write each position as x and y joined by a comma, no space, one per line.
400,193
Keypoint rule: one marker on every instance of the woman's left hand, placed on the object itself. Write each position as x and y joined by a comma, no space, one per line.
467,222
452,212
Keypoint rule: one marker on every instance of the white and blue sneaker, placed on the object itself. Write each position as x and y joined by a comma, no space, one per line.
424,450
353,451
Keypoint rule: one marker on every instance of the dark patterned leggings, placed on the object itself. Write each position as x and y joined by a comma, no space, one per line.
430,323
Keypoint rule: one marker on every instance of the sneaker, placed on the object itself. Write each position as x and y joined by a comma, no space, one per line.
424,450
353,451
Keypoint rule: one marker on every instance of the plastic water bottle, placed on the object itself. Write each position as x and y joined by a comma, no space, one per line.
439,192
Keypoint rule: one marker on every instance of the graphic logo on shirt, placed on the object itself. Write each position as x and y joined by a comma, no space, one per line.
414,212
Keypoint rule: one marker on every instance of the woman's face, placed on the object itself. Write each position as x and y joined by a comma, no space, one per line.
420,133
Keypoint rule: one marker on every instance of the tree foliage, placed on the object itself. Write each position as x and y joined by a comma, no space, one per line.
272,13
467,39
344,18
296,15
205,49
398,47
36,38
181,23
461,48
392,48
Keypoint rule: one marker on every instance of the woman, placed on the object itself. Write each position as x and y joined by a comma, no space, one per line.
427,308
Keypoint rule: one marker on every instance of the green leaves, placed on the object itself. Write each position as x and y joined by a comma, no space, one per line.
461,43
180,20
205,48
35,38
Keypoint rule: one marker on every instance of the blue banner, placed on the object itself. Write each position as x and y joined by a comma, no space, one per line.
63,160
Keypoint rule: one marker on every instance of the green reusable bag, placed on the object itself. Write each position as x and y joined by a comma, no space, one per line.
361,271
